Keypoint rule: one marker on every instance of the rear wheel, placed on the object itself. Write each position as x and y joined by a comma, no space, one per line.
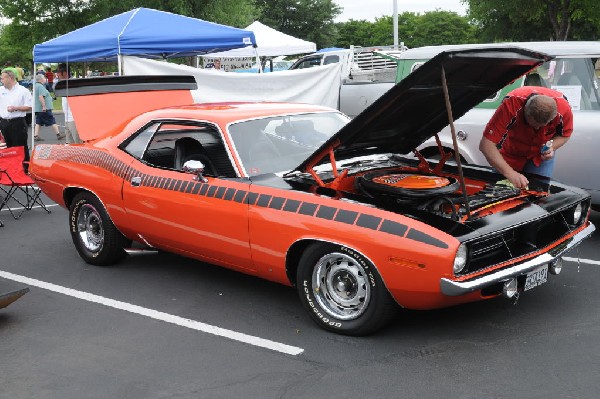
96,238
343,291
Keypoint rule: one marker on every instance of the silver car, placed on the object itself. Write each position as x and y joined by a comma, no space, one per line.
572,72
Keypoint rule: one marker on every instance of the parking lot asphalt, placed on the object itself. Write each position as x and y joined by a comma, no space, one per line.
163,326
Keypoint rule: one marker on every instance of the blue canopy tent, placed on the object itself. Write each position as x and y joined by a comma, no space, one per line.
145,33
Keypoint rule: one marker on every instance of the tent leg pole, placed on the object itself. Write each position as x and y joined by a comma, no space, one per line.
32,109
260,69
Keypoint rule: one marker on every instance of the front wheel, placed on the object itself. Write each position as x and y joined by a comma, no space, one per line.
343,291
96,238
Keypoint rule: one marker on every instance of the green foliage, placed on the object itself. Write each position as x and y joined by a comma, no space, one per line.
237,13
310,20
441,27
514,20
34,21
414,30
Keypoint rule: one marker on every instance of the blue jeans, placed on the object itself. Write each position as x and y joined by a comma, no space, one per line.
545,168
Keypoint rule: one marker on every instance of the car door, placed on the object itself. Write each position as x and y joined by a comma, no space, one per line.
179,212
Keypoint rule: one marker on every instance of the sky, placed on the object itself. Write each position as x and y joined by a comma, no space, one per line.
371,9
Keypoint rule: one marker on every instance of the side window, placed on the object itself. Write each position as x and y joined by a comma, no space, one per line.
576,79
169,144
331,59
137,146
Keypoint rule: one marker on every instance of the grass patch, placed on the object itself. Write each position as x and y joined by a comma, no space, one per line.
57,104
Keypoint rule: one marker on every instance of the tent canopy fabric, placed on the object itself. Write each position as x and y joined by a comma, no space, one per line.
142,32
270,43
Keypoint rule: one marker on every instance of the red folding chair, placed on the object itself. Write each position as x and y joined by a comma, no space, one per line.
14,180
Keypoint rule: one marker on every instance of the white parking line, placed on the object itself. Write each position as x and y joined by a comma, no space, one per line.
154,314
591,262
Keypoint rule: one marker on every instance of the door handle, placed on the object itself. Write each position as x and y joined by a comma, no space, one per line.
136,181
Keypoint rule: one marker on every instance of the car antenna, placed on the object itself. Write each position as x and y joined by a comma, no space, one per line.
455,143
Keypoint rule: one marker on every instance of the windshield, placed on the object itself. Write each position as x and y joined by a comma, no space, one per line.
574,77
281,143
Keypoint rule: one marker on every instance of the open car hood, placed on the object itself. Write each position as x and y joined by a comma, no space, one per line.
415,110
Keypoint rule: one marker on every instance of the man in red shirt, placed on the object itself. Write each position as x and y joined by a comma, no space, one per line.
514,137
50,81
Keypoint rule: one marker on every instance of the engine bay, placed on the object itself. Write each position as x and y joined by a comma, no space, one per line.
404,185
439,195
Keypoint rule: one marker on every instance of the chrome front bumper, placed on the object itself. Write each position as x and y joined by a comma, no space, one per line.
455,288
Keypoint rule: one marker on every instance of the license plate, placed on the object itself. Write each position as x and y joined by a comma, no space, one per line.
536,277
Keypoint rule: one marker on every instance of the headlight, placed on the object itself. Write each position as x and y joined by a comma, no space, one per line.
460,260
577,213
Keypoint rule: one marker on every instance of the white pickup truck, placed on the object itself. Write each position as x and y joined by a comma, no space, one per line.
365,74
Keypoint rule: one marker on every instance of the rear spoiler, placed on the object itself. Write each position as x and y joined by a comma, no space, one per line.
103,104
123,84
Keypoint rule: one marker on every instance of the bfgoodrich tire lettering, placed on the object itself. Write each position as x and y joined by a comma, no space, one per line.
96,238
342,290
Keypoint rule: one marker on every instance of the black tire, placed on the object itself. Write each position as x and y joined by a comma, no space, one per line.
343,291
96,238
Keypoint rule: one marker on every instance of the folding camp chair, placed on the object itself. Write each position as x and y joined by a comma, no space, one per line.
13,180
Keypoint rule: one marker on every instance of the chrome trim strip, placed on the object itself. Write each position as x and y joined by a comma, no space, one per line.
456,288
140,251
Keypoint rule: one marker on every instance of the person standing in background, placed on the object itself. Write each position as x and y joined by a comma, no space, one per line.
21,73
15,102
43,109
63,73
50,81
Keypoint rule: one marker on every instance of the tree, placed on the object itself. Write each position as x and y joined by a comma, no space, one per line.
414,30
353,32
34,21
237,13
513,20
306,19
440,27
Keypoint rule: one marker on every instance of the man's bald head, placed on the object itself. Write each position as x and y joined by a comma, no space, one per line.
541,109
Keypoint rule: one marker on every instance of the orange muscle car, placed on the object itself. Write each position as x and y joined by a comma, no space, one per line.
343,210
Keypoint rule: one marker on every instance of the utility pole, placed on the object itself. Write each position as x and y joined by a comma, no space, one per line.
395,18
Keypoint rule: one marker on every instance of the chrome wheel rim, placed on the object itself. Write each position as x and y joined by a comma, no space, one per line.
90,228
341,286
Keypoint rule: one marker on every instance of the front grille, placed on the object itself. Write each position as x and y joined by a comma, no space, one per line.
519,241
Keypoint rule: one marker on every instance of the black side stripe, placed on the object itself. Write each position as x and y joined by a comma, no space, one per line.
102,160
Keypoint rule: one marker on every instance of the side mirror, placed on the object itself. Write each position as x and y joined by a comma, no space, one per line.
195,168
